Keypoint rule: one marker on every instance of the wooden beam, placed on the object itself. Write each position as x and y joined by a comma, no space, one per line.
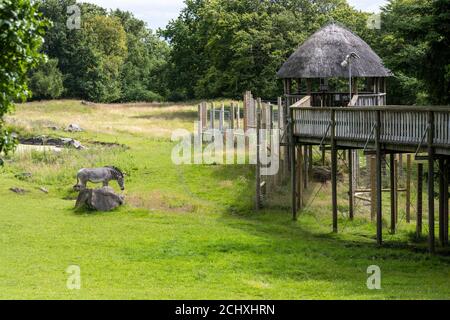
445,195
408,188
293,167
441,200
392,186
373,187
431,236
351,200
300,170
379,179
396,190
419,200
334,165
258,155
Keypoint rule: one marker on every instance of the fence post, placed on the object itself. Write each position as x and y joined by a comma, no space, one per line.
258,159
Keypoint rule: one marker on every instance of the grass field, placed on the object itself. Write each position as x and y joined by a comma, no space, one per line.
186,232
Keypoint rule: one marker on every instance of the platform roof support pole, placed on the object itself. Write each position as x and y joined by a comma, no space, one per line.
351,201
431,237
334,165
379,179
419,200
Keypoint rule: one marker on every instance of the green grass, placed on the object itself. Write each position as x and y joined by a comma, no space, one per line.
187,232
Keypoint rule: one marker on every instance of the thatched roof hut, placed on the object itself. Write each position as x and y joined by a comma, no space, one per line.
322,54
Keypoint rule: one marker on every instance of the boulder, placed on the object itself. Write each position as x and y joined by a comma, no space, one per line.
104,199
18,190
55,142
74,128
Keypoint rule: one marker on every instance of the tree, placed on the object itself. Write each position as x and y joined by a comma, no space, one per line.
21,36
436,67
224,47
46,81
106,39
403,47
143,73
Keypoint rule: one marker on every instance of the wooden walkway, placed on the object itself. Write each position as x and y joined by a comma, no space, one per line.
379,131
402,129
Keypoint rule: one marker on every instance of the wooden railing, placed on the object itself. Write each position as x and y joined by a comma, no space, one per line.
398,125
322,99
305,102
368,100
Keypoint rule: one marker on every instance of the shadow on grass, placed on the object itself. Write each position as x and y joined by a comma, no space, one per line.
275,224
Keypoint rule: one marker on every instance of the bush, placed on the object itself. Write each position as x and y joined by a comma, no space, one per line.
46,81
138,93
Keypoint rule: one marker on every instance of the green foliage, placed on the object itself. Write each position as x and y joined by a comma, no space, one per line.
223,47
46,82
414,43
21,35
113,57
143,73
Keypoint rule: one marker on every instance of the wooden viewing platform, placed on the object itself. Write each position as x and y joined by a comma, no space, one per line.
401,129
378,130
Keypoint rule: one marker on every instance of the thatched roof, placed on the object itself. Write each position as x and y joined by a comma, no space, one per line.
322,54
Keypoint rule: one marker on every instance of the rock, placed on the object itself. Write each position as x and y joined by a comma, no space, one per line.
23,176
323,174
18,190
104,199
74,128
44,190
55,142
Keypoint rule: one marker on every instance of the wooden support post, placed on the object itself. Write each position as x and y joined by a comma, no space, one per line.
232,116
238,116
379,179
445,196
396,190
373,187
300,171
222,118
392,186
310,162
431,238
213,116
351,200
258,157
400,165
305,167
334,165
419,200
441,201
408,189
293,166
